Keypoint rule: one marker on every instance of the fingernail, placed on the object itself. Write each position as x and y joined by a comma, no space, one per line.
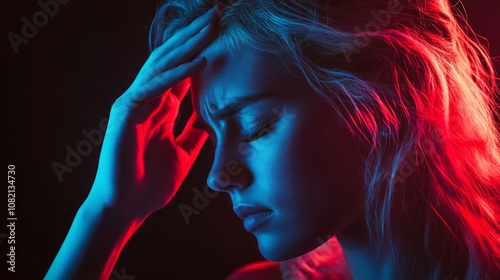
206,28
213,9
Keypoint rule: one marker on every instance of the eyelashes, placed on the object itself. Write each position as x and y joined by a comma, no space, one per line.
262,129
259,130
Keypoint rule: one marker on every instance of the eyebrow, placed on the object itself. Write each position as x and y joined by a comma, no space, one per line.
233,107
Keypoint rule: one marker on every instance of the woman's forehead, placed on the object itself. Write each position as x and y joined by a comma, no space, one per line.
246,70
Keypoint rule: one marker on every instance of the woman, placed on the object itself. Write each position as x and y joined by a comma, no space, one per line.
370,121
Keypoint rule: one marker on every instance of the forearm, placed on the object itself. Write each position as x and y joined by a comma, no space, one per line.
93,244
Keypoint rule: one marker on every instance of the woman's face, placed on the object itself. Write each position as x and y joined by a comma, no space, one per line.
292,170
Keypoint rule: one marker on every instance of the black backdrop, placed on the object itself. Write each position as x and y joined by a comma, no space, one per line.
62,81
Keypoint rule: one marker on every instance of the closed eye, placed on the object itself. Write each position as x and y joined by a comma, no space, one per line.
262,129
258,131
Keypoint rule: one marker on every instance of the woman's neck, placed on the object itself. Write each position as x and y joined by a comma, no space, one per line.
360,254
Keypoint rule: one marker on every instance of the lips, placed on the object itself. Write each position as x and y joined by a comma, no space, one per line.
244,211
253,216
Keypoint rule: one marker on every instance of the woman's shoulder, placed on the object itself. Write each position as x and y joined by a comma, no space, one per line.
262,270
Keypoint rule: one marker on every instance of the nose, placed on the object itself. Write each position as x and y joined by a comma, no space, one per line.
228,173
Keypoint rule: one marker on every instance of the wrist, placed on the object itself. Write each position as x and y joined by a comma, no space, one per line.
103,201
106,230
116,217
96,237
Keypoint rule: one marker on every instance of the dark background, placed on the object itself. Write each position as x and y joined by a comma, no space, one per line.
63,81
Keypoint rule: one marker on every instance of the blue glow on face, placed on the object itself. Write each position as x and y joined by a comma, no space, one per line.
300,172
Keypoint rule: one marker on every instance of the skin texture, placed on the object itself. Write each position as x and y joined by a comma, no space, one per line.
306,168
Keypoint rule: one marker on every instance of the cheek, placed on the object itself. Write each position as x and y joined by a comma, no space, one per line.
325,170
309,173
309,168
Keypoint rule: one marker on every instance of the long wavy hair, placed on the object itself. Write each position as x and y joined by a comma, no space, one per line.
415,83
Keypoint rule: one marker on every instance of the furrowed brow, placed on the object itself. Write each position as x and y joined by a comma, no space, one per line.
233,107
236,105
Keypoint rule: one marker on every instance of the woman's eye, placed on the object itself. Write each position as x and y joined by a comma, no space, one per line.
262,129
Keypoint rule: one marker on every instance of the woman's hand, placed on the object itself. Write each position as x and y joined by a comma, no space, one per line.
142,164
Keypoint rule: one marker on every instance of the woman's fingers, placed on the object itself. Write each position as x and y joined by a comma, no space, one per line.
155,80
192,139
169,65
162,82
166,72
186,51
181,36
176,57
139,102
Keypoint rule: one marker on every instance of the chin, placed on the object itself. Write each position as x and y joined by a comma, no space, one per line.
278,248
